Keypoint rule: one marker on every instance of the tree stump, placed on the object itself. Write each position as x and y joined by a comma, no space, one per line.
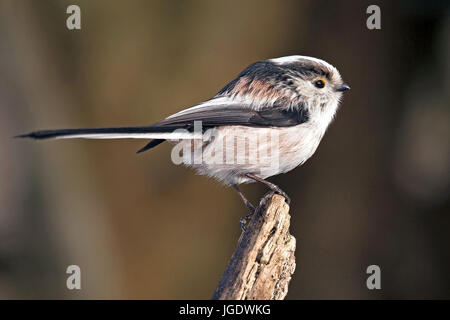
263,262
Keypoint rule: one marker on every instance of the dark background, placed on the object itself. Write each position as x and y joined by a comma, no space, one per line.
375,192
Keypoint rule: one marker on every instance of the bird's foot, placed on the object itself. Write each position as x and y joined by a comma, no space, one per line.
277,190
271,186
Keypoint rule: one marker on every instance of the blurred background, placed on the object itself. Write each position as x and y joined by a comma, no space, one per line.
375,192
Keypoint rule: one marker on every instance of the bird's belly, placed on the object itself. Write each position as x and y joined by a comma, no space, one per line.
229,152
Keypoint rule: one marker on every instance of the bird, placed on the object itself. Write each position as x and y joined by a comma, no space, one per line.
269,120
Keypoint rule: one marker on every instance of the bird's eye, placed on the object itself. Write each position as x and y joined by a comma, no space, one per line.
319,83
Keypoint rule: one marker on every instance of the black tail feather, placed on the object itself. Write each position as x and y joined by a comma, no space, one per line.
48,134
151,144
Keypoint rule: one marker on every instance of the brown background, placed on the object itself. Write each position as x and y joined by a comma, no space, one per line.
375,192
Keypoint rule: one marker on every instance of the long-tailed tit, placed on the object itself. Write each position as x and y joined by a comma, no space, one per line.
268,120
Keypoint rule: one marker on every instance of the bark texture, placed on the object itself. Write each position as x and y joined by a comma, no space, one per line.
263,262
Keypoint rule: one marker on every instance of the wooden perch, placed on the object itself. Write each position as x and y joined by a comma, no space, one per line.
263,262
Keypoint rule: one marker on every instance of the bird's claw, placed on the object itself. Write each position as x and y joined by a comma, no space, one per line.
245,220
283,194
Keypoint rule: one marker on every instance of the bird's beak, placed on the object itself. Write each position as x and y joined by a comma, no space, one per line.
343,87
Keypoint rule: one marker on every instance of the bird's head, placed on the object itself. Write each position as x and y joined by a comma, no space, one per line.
311,77
290,81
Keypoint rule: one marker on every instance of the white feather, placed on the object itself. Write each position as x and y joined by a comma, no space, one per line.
213,103
296,58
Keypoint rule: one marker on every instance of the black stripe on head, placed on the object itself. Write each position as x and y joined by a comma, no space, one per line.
308,68
262,71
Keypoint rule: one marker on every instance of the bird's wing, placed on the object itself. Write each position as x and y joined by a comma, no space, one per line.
220,112
215,115
235,115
